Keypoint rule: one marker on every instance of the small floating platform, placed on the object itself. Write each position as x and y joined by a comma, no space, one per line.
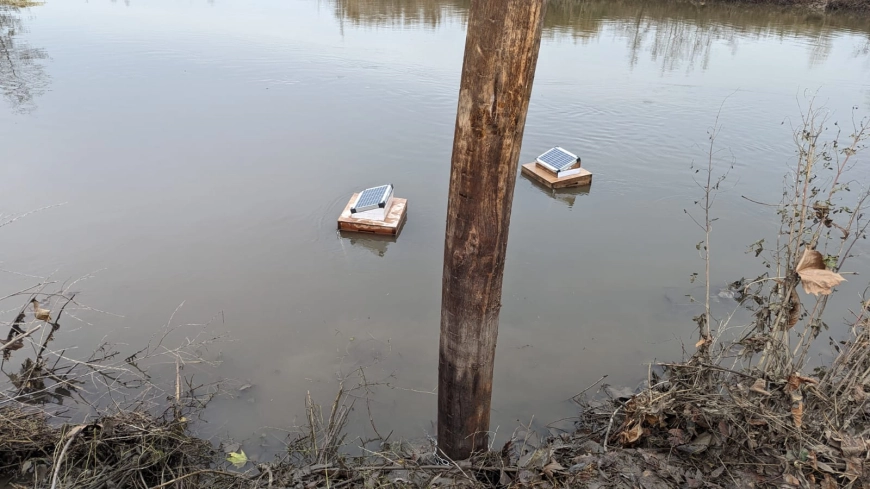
547,179
390,226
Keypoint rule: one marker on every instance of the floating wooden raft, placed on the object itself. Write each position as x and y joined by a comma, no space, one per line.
389,226
542,176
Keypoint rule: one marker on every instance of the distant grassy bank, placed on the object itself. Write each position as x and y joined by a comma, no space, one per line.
19,3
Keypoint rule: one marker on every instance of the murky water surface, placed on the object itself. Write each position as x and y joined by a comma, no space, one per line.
204,150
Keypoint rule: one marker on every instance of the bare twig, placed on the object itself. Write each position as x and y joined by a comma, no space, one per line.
575,396
610,425
70,437
19,337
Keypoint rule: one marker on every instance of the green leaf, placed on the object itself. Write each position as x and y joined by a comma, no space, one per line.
238,459
831,261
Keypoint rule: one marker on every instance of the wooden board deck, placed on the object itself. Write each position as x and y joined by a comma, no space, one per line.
538,174
389,226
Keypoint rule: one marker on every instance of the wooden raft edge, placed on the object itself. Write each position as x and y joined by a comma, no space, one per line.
532,171
389,227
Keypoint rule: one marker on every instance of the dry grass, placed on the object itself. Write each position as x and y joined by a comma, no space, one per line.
19,3
742,406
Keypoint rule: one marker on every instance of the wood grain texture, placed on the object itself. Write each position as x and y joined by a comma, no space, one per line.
390,226
542,176
501,52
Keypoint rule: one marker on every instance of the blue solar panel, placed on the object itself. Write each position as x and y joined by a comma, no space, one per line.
372,198
558,159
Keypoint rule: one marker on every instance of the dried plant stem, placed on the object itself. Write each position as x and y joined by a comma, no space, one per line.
60,458
198,472
609,426
710,186
19,337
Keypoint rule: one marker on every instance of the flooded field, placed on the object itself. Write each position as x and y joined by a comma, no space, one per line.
204,149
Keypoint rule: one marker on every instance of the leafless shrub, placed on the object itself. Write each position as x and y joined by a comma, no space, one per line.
742,404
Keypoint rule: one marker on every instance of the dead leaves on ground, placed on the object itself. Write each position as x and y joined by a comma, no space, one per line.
631,435
853,450
854,468
796,380
793,388
791,480
551,467
829,483
815,276
797,414
759,387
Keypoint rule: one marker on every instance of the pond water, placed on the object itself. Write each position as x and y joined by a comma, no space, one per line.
204,149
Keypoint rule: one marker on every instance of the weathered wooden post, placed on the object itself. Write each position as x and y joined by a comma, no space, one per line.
501,52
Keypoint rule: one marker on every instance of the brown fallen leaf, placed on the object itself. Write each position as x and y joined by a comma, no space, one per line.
552,466
822,466
724,429
631,435
794,312
654,420
851,446
703,341
828,482
757,422
677,437
40,313
797,414
698,445
807,380
815,277
793,387
811,260
793,384
791,480
758,387
854,468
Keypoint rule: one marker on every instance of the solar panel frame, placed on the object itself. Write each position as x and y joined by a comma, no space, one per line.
557,159
372,198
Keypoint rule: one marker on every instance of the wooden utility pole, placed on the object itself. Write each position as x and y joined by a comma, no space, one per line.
501,51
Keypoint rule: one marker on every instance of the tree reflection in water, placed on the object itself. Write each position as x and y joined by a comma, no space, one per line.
22,74
675,34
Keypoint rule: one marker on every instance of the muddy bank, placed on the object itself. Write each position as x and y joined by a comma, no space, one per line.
698,425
